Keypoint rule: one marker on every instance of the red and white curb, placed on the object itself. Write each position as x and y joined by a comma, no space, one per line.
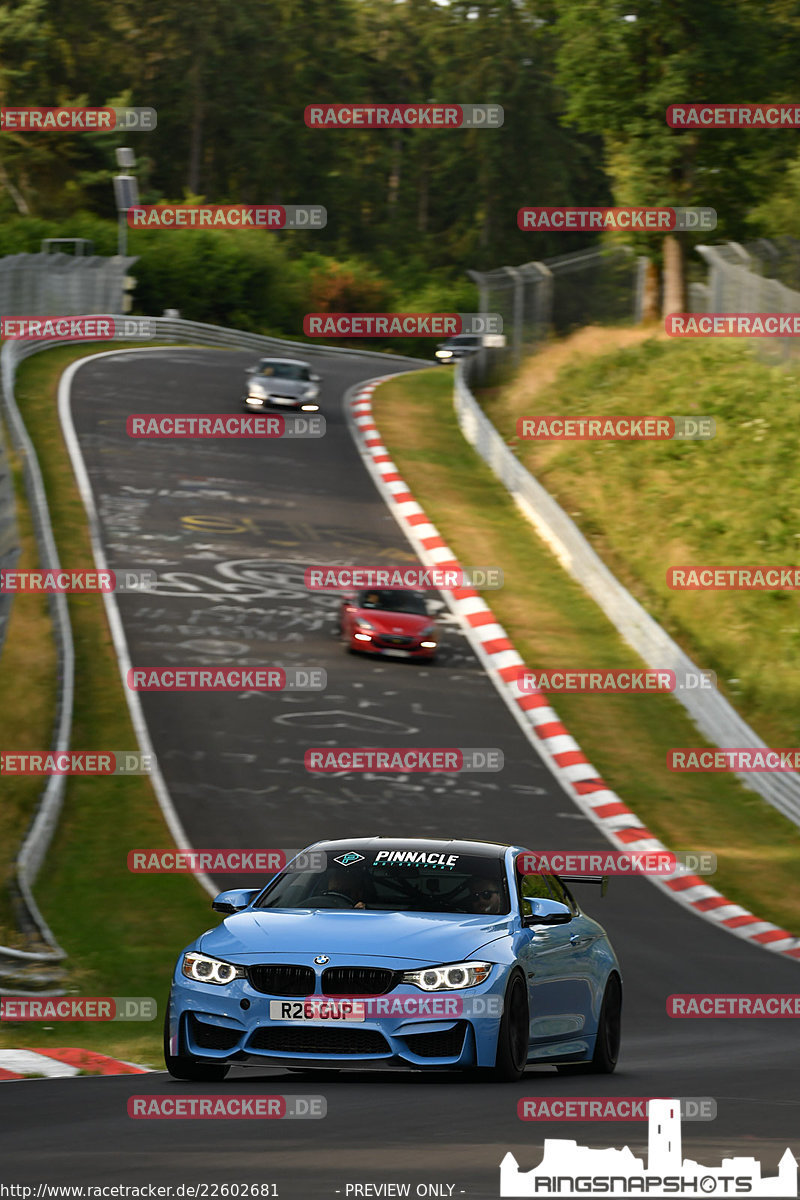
62,1064
532,710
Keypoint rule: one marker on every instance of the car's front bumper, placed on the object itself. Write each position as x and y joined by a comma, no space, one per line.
209,1023
291,403
415,1043
376,646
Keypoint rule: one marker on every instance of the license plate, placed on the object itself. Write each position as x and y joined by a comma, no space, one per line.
396,653
327,1012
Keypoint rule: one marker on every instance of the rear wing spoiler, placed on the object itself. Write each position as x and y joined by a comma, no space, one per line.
602,880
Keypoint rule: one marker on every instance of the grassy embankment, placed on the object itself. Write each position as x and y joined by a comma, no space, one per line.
643,506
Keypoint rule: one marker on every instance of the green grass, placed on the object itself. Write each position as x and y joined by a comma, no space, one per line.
122,931
646,506
554,624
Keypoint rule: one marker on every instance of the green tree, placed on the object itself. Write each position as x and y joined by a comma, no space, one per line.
621,63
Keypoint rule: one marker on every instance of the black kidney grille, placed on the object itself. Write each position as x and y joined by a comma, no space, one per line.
445,1043
358,981
318,1040
213,1037
282,979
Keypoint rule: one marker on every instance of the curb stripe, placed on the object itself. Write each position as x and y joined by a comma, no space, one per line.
63,1063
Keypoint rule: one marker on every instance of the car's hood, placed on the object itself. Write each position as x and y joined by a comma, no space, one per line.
410,937
282,387
395,622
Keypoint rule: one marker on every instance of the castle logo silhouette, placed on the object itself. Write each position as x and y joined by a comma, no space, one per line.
568,1169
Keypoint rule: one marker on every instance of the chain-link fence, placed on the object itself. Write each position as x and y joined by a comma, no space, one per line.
759,277
778,258
34,285
555,296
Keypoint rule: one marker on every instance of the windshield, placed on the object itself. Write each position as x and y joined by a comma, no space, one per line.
282,370
396,879
393,601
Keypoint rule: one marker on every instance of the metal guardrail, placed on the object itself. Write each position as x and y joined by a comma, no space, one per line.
9,534
169,330
175,329
716,719
41,829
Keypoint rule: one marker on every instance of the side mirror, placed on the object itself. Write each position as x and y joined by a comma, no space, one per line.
234,900
314,378
545,912
251,370
435,607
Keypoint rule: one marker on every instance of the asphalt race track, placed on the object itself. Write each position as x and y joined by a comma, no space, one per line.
234,767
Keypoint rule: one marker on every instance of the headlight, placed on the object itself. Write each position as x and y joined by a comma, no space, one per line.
257,391
204,969
428,630
450,978
363,623
311,392
444,353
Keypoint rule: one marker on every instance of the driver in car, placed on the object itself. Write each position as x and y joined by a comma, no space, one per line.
484,895
343,883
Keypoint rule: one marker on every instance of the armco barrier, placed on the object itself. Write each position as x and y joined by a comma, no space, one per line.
716,719
41,830
9,534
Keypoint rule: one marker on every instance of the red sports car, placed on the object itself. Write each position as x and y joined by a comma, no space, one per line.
389,621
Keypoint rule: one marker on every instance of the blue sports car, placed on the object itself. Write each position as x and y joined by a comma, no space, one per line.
385,952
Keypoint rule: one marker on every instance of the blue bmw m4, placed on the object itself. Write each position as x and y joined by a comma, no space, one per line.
399,953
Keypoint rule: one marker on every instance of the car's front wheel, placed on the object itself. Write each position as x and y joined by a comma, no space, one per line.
513,1035
180,1066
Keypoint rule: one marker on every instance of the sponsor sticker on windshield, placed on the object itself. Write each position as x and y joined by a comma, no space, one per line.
416,858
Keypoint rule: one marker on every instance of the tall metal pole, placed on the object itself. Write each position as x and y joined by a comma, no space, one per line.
517,318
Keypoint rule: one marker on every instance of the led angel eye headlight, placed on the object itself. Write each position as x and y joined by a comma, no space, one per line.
205,969
450,978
